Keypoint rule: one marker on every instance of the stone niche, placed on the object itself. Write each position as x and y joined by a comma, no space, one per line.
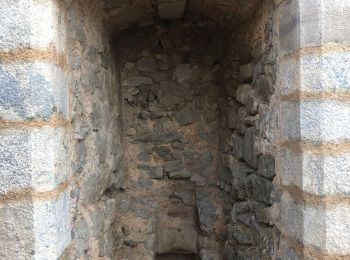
194,179
189,131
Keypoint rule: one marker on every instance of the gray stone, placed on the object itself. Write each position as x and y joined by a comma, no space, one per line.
246,72
206,211
259,188
147,64
178,146
187,115
266,166
191,154
170,94
186,196
205,159
39,92
242,234
249,154
80,157
163,152
182,174
238,146
264,86
81,236
198,180
177,155
144,155
173,166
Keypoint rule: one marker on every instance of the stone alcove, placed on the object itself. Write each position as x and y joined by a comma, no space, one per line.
174,148
142,129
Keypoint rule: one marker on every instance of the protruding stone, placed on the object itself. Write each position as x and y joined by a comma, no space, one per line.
266,166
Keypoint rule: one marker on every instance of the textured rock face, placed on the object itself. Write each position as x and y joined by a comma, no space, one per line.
248,137
171,143
162,153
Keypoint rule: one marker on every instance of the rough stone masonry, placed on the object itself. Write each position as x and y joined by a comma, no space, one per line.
174,129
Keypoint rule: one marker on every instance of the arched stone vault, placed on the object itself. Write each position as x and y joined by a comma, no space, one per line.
174,129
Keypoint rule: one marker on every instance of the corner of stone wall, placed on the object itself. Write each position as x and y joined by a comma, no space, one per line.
34,176
95,142
314,141
251,138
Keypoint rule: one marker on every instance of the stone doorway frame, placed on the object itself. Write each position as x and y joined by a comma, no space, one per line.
313,155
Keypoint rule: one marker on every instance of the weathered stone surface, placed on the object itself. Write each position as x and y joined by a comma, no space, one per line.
246,72
242,233
259,188
266,166
182,174
187,115
34,159
43,222
156,172
39,93
206,211
163,152
249,154
173,166
147,64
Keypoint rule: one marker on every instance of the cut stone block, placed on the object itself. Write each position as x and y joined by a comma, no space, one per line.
317,225
38,228
315,120
31,90
34,159
322,175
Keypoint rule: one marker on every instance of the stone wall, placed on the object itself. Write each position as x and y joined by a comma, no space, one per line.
248,139
224,154
168,202
95,156
34,175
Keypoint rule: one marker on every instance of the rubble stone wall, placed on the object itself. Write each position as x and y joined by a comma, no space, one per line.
208,129
168,201
95,154
248,139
